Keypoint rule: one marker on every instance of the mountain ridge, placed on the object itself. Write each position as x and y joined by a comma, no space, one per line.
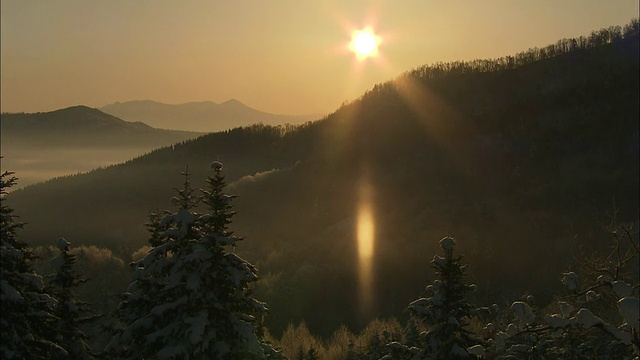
201,116
43,145
66,119
76,122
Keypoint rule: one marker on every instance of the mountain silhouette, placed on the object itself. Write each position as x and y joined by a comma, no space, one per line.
205,116
82,125
75,139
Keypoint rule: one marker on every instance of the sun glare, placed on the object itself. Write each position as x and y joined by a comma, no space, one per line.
365,240
364,43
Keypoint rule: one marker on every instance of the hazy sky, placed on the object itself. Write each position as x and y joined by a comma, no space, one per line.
280,56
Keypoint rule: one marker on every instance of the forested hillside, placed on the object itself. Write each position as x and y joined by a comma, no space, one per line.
521,159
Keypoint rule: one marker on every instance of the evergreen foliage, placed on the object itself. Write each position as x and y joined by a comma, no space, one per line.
190,296
218,202
28,322
71,311
445,311
597,38
597,318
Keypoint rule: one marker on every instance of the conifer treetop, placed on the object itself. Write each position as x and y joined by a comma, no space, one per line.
448,244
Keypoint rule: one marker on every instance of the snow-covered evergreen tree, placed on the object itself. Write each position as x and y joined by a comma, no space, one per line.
189,297
27,323
445,312
71,311
238,315
597,319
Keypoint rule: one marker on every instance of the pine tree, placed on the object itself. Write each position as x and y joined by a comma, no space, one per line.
445,310
189,296
69,309
27,324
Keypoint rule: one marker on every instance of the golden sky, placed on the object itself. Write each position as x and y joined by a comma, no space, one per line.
279,56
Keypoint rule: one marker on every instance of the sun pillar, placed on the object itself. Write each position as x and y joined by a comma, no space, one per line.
365,237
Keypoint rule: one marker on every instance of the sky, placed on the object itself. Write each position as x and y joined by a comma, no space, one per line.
281,56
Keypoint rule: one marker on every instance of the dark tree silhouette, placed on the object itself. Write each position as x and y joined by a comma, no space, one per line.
28,325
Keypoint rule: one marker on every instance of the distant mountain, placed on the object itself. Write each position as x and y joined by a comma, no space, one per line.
82,125
203,116
521,159
43,145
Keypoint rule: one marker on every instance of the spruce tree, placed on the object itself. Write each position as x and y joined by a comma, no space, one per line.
444,311
27,324
219,203
151,310
239,316
189,296
71,311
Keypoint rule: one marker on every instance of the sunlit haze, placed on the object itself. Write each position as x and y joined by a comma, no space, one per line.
284,57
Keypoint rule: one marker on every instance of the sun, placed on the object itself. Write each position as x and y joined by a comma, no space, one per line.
364,43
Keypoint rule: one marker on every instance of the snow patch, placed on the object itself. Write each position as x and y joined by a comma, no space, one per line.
566,309
622,289
193,282
501,338
447,244
71,306
216,165
604,279
173,352
198,324
160,309
570,280
458,351
57,262
523,312
586,318
478,351
453,321
557,321
9,292
439,261
184,219
34,280
62,244
629,308
519,348
592,296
